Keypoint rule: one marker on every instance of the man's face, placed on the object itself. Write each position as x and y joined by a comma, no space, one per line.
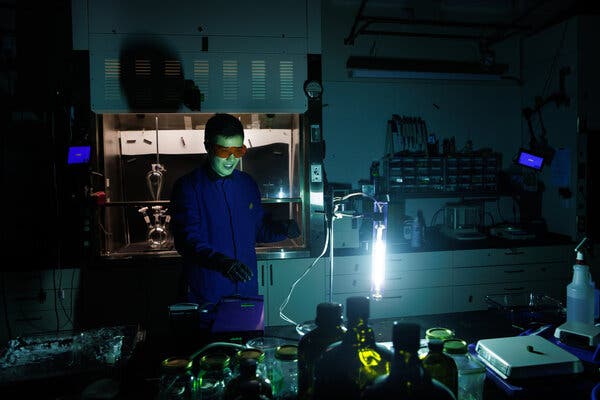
225,166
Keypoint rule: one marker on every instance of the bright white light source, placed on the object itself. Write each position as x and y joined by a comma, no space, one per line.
378,251
378,262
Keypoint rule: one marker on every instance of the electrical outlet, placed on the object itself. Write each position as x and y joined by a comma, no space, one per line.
316,172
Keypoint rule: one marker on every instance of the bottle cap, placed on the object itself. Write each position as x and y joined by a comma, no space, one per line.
455,346
357,307
579,259
255,354
287,352
329,314
406,336
214,361
439,333
176,364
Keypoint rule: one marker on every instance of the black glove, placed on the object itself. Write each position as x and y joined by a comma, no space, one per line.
292,229
236,271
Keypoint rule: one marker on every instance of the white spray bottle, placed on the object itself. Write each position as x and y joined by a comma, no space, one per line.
581,292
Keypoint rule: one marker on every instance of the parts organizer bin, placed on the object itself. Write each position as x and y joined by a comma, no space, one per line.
420,173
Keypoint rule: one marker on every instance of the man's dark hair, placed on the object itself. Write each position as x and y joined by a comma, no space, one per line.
222,124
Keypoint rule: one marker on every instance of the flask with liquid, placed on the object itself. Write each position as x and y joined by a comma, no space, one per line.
347,367
407,379
329,329
471,373
177,381
581,294
441,366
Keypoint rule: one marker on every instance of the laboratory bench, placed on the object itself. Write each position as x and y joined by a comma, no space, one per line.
137,377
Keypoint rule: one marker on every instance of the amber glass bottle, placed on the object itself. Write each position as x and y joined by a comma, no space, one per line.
347,367
441,366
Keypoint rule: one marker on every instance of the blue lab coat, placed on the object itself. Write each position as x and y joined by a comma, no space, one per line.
213,216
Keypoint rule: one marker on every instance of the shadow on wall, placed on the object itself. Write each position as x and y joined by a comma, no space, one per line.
153,80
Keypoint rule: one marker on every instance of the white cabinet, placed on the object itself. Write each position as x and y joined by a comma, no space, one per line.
275,281
415,283
516,271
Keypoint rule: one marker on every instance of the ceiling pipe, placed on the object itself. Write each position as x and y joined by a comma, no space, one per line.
357,30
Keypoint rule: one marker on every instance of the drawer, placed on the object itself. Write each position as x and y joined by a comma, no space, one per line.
403,262
423,260
407,302
394,280
472,297
516,255
510,273
350,265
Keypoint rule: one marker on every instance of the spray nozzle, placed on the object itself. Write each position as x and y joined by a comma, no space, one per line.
579,259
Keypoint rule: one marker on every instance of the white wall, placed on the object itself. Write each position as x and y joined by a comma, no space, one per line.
356,110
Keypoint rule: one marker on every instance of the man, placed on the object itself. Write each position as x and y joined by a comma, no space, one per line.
217,218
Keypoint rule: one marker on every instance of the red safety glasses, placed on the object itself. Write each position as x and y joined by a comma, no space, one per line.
225,152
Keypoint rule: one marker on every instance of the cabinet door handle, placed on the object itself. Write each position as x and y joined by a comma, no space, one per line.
262,275
514,289
393,297
271,273
514,271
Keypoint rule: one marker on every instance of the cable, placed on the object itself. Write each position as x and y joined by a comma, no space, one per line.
434,216
287,299
329,232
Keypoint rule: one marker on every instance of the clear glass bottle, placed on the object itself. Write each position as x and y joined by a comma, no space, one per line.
177,380
285,372
248,384
407,380
213,376
441,366
471,373
329,329
347,367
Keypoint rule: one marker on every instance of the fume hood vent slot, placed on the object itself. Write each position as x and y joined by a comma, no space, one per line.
230,80
143,68
201,75
172,68
286,80
259,80
112,76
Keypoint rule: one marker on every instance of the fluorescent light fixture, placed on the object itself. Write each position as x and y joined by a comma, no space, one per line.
393,68
389,74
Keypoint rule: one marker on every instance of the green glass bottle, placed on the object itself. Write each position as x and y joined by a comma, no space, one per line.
347,367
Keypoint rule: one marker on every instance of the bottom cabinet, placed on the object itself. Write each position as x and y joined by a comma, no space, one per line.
276,279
